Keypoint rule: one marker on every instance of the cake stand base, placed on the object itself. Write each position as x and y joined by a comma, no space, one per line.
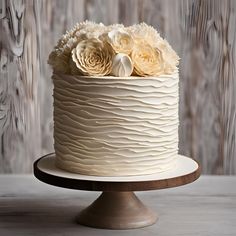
117,210
117,207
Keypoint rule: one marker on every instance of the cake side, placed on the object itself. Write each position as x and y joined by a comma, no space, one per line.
116,126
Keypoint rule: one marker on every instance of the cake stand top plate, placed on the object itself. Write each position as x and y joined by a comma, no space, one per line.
186,171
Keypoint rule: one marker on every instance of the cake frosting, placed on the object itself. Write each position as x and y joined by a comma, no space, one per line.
116,100
116,126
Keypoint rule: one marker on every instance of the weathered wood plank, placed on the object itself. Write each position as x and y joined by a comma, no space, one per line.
208,85
20,133
128,12
101,11
202,32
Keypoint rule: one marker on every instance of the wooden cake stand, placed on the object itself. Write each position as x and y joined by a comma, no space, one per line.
117,207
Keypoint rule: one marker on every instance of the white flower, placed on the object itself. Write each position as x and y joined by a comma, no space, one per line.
91,30
120,40
145,32
122,65
59,58
93,57
170,58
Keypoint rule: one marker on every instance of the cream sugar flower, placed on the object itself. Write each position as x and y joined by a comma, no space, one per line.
93,57
147,60
60,57
120,40
171,59
152,37
95,49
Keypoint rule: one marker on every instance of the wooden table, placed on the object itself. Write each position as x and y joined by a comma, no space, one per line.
205,207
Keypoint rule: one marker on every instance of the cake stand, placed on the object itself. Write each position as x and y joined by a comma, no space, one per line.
117,207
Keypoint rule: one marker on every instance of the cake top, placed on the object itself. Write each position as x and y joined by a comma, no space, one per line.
97,50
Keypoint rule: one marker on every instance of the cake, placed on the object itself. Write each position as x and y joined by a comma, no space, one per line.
116,100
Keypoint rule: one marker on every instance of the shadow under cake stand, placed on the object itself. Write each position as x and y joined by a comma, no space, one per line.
117,207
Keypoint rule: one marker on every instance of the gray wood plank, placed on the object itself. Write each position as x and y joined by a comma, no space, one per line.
202,32
101,11
20,133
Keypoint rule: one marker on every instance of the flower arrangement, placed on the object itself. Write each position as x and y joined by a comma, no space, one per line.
95,49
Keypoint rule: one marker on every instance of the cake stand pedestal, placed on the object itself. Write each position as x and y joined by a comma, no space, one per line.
117,207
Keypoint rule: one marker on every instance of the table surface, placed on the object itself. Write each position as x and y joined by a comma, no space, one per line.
205,207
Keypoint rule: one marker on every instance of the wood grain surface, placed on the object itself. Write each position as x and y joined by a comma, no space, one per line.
203,33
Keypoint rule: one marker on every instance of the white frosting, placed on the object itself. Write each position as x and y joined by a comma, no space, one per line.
112,126
122,65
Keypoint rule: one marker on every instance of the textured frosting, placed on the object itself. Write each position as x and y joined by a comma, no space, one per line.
116,126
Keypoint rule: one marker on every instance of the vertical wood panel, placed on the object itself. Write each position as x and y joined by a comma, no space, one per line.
101,11
128,12
20,133
202,32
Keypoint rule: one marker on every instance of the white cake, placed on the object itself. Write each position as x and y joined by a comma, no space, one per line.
112,126
116,100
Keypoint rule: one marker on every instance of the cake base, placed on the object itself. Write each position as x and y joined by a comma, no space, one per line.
117,207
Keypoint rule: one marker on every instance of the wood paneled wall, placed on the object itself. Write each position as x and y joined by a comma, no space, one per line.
203,32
